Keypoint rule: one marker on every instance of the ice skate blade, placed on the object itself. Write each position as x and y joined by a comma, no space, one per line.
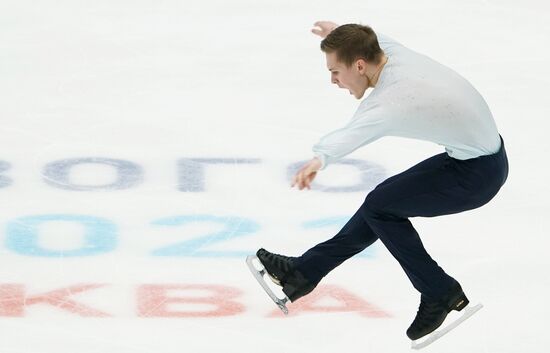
434,336
259,275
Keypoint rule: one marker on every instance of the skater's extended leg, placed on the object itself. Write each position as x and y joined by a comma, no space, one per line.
300,275
354,237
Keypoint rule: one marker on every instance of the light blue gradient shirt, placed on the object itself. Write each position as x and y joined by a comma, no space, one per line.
416,97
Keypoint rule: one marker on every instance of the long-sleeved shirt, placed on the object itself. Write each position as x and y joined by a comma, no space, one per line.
416,97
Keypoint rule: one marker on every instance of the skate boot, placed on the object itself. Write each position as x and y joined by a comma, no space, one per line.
282,272
431,314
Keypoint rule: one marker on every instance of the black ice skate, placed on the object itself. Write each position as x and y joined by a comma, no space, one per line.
431,314
281,271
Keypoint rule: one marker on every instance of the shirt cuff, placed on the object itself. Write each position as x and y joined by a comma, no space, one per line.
323,160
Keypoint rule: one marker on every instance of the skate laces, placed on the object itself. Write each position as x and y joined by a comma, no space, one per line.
278,266
282,262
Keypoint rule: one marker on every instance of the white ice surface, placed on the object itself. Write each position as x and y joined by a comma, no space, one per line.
155,81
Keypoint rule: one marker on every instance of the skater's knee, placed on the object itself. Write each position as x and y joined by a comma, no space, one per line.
377,207
373,205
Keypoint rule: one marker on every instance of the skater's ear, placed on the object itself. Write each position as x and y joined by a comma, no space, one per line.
361,66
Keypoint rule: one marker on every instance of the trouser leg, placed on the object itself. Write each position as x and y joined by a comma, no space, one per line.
447,186
353,238
437,186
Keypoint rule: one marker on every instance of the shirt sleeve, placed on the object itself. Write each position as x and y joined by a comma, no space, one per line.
386,42
366,126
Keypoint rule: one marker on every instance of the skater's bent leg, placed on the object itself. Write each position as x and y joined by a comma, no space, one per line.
403,242
426,191
353,238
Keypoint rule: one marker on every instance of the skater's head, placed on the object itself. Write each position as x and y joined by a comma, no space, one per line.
354,57
352,42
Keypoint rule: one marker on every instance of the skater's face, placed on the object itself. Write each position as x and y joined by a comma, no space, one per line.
352,78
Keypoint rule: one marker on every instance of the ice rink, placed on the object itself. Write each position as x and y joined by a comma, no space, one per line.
147,146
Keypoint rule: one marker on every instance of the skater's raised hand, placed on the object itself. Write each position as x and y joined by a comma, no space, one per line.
323,28
306,174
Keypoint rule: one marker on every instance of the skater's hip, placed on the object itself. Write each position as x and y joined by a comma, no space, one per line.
491,170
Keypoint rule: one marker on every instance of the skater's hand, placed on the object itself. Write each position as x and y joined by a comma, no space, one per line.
306,174
323,28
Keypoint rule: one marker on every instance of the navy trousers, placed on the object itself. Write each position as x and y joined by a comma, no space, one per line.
437,186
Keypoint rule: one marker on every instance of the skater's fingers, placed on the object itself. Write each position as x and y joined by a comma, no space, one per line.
305,175
294,180
305,178
299,180
324,24
303,183
323,28
317,31
298,177
310,180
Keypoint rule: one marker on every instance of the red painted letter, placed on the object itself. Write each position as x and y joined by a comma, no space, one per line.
154,301
14,300
348,303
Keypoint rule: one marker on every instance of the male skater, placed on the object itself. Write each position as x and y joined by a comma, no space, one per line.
415,97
